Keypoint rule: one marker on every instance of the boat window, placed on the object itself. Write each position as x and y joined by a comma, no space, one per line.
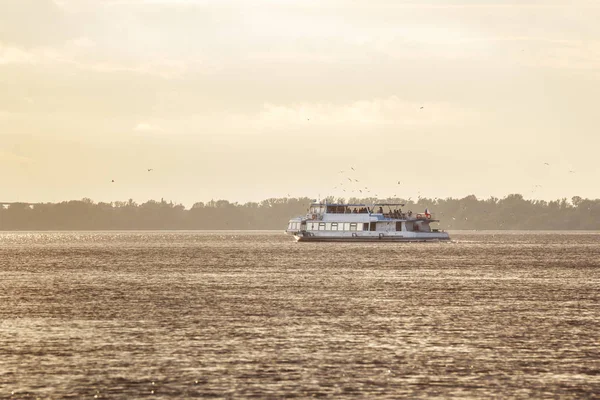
328,226
347,226
353,226
321,226
366,226
334,226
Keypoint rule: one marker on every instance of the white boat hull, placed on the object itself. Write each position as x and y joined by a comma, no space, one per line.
370,236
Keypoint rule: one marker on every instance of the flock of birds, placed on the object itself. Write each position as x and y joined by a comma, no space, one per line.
366,189
536,187
353,185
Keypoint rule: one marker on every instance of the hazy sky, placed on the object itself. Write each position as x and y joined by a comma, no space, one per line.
245,100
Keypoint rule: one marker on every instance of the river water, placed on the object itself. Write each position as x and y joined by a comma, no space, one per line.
255,315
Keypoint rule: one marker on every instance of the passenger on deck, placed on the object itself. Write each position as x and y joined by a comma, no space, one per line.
380,210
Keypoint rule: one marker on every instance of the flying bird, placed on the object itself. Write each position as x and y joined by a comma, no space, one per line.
352,168
350,179
398,182
546,163
421,108
571,171
113,181
150,169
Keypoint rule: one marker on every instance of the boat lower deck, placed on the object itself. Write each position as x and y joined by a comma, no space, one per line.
370,237
367,239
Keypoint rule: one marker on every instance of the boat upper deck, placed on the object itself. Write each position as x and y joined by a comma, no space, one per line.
363,211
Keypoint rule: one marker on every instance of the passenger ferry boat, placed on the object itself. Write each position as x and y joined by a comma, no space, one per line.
363,222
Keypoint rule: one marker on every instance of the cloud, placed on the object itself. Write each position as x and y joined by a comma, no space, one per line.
14,158
568,55
14,55
7,115
82,42
379,111
343,3
143,127
31,23
68,55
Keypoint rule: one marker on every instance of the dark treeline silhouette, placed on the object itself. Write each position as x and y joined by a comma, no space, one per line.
511,212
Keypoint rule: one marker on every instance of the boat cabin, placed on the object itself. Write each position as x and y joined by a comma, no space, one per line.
379,217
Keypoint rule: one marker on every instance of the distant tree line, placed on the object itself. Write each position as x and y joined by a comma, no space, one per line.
511,212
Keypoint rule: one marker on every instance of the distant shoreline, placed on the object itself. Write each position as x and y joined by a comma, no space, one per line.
469,213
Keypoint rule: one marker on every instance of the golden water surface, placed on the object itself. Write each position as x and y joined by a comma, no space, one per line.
254,314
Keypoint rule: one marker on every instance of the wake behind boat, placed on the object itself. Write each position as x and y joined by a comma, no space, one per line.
363,222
